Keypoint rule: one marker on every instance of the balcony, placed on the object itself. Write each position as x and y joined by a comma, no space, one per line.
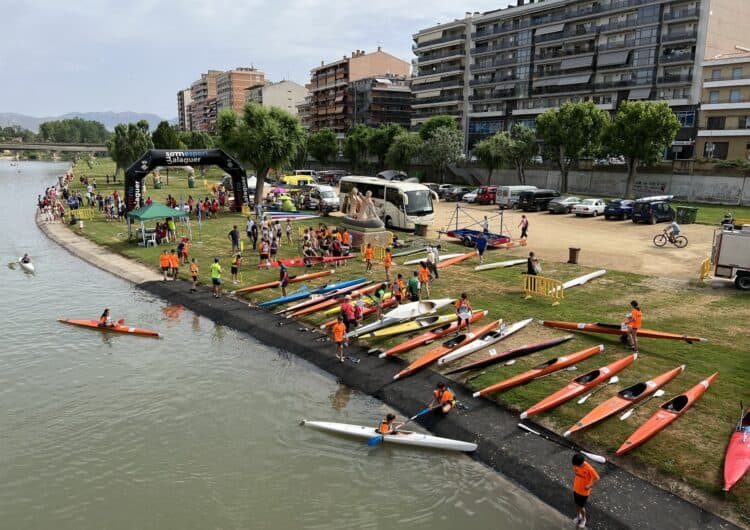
623,83
678,58
680,35
674,78
498,94
681,14
446,38
421,87
438,100
427,71
459,52
494,48
614,6
588,32
626,43
620,24
493,64
489,31
479,82
555,54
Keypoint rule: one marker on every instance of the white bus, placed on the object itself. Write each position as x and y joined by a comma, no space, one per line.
400,204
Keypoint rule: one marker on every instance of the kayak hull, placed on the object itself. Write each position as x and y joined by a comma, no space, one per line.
403,313
500,264
94,324
409,438
441,258
367,311
458,259
304,293
614,329
413,325
486,341
327,300
737,457
27,267
667,413
293,279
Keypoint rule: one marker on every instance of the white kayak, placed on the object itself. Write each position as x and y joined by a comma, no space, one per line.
405,438
440,258
403,313
27,267
484,342
500,264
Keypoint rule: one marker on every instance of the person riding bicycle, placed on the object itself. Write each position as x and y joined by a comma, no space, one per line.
672,231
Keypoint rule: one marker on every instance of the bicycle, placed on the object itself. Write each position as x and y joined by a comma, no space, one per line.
679,241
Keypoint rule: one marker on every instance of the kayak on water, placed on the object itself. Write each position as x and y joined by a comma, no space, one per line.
667,413
405,438
500,264
447,347
403,313
486,341
737,457
305,292
389,302
329,298
624,398
547,367
117,328
521,351
579,385
304,261
457,259
417,324
26,266
616,329
292,279
430,336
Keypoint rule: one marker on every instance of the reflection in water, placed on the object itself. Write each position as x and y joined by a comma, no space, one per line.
340,398
218,334
196,323
173,311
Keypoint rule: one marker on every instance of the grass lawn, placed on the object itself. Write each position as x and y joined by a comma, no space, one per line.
689,452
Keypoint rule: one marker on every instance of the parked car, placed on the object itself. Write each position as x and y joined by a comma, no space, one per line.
471,196
487,195
562,204
456,193
537,159
443,189
653,210
536,200
619,209
617,160
592,207
507,196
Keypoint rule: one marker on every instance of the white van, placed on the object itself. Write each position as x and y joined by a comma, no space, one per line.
507,196
326,195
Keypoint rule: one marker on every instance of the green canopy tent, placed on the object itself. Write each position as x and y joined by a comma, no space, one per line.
150,212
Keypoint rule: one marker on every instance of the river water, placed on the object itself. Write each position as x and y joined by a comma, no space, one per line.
197,430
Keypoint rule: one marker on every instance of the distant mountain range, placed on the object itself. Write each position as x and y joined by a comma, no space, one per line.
109,119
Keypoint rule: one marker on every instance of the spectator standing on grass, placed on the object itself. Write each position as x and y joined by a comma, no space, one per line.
387,263
174,263
481,247
236,263
412,287
234,237
216,277
398,288
585,478
432,261
289,231
524,224
368,258
532,265
424,279
193,275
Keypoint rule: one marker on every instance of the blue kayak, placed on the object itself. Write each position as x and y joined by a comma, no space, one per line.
305,293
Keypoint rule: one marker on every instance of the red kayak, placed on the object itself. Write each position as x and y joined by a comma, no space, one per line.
624,398
616,329
117,328
526,349
579,385
447,347
547,367
458,259
293,279
331,301
388,302
667,413
304,261
430,336
737,458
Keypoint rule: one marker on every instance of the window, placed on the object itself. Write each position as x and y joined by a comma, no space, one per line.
718,150
644,57
686,117
744,122
713,96
737,73
715,122
715,75
735,95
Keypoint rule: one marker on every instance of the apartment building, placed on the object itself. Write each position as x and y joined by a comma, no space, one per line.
183,110
520,61
203,104
724,125
286,95
331,100
231,87
380,100
304,110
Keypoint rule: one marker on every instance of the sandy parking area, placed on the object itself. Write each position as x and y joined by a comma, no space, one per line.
616,245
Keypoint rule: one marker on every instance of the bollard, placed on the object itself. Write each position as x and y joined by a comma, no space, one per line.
573,255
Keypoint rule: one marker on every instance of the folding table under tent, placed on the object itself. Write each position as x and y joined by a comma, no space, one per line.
150,212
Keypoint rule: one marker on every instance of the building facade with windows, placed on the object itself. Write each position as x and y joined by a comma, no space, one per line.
380,100
724,128
184,118
231,87
203,104
520,61
286,95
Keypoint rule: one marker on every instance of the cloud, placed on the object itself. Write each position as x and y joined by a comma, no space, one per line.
111,55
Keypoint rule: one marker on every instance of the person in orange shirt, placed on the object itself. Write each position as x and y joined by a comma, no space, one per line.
397,288
368,257
174,263
443,398
164,263
585,478
345,237
387,262
388,426
339,337
194,275
424,278
185,250
463,310
633,324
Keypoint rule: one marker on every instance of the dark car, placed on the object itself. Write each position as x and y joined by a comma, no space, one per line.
652,210
536,200
562,204
456,194
619,209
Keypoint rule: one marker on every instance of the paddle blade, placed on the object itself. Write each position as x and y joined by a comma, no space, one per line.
627,415
613,380
595,458
584,398
375,440
120,322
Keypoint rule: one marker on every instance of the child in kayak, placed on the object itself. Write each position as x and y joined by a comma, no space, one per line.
443,398
585,478
105,321
388,426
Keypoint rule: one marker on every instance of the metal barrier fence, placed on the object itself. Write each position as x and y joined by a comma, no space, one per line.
541,286
705,270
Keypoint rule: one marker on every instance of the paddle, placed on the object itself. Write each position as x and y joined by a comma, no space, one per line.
614,379
12,265
658,393
377,439
591,456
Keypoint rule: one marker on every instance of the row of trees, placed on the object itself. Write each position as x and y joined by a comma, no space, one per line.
73,131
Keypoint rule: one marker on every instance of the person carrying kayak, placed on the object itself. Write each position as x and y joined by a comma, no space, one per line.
443,398
347,313
105,321
633,324
216,277
339,336
388,426
283,279
463,310
585,478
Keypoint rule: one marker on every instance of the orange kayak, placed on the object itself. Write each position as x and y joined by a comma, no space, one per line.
547,367
579,385
624,398
457,259
292,279
430,336
616,329
737,457
447,347
388,302
325,304
117,328
667,413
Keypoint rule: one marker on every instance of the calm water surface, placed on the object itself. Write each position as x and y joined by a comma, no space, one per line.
194,430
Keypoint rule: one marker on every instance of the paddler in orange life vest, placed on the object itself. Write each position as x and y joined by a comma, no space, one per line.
443,398
388,426
633,324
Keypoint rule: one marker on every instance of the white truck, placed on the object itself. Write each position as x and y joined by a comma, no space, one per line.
731,256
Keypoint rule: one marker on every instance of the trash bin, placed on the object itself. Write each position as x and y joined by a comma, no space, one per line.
573,255
191,183
686,215
420,230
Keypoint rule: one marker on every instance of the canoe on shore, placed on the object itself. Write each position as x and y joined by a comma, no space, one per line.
417,324
616,329
737,457
117,328
500,264
277,283
457,259
485,341
403,313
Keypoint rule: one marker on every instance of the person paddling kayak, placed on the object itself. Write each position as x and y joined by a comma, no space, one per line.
388,425
105,321
443,398
26,259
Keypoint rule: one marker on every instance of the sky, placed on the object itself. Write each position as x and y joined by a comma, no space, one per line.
104,55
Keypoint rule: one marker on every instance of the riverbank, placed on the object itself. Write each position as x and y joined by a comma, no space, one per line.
621,500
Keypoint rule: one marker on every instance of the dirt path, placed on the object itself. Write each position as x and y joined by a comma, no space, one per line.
616,245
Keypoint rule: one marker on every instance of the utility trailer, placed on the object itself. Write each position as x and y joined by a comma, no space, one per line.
731,256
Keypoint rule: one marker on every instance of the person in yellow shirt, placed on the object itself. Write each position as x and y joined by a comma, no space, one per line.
194,275
339,337
387,262
216,277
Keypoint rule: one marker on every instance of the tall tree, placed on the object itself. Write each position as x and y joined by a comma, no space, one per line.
569,133
73,130
381,139
323,145
166,136
437,122
196,140
402,152
490,153
640,131
443,147
128,143
521,147
264,137
356,146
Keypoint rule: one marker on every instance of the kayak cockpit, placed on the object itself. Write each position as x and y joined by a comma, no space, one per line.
587,378
633,392
676,404
545,364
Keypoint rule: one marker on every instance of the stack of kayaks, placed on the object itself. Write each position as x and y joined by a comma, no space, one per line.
306,293
403,313
277,283
485,341
416,324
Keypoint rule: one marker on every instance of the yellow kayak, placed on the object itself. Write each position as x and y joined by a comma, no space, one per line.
417,324
368,303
